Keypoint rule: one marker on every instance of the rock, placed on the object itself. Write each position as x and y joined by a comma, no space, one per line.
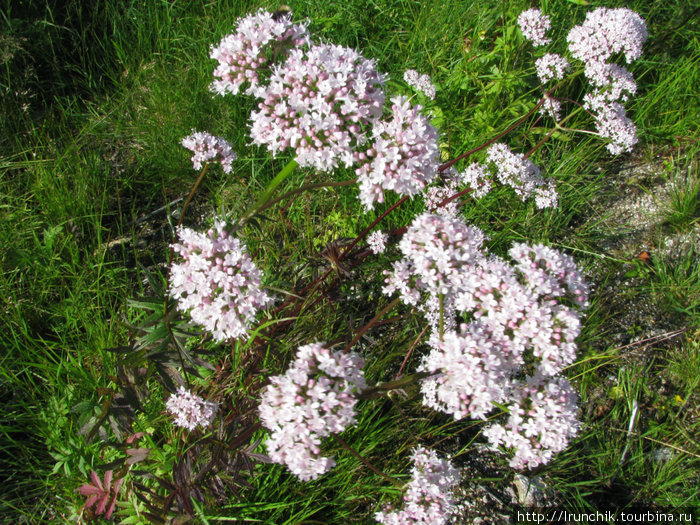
531,492
661,455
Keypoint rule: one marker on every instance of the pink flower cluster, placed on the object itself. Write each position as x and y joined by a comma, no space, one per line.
522,175
428,499
551,67
534,26
436,250
524,316
476,177
190,410
403,156
377,241
551,108
435,195
243,54
208,148
217,282
514,170
542,419
474,372
604,33
324,102
317,103
420,83
313,399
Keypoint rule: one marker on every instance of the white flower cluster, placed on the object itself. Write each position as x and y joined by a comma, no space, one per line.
522,175
542,420
217,282
243,54
474,373
316,103
525,316
434,195
534,26
190,410
436,250
377,241
403,156
428,499
477,178
324,103
313,399
208,148
551,67
551,273
551,108
514,170
604,33
420,83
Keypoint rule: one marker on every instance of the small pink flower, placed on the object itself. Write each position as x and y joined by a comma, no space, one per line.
377,241
313,399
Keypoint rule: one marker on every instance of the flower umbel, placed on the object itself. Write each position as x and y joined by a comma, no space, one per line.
312,400
208,148
403,157
534,26
259,38
190,410
428,499
217,282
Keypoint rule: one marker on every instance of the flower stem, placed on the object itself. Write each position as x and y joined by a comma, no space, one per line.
265,197
377,390
189,198
369,325
303,189
367,463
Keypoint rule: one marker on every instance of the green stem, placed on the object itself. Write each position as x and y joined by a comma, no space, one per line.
279,179
557,126
189,197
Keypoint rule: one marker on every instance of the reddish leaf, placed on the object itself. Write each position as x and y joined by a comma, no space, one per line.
89,490
96,479
108,480
102,504
136,455
110,508
117,486
133,438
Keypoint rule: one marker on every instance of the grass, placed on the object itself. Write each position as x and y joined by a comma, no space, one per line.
95,102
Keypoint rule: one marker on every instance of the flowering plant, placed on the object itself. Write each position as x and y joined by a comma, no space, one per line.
502,332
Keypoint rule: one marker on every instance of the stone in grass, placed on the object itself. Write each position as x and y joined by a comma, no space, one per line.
531,492
661,455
